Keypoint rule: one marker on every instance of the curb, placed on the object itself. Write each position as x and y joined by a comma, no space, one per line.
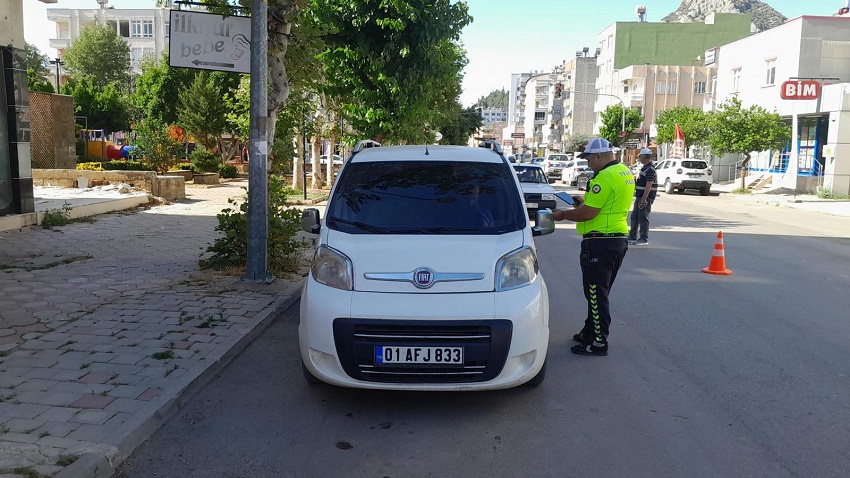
134,432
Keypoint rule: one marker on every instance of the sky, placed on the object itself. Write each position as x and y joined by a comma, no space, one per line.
505,36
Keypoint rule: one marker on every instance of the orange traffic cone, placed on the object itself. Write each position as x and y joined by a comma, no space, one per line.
718,259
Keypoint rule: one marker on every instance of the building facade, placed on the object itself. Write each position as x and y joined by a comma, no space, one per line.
493,115
146,31
578,80
753,69
640,44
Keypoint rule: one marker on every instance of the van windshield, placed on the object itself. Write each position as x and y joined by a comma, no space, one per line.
426,197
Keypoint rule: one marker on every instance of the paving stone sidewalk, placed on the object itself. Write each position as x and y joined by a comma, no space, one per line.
107,327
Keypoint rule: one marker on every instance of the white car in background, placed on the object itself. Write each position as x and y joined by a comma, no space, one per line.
536,190
676,174
553,164
572,170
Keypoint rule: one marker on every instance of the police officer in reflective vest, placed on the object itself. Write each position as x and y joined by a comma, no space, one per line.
646,188
601,221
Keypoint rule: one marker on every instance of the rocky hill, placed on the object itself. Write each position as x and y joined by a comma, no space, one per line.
765,17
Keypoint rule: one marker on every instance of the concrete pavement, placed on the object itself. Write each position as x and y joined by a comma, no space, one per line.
107,327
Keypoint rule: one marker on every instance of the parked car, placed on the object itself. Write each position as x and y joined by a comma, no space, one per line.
583,179
572,170
553,164
425,274
536,190
677,174
323,159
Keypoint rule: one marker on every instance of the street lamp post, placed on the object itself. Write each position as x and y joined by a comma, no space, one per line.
58,62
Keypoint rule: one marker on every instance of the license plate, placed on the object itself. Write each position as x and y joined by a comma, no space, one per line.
531,205
385,354
695,175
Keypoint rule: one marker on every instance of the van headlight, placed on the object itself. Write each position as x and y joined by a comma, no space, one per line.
516,269
332,268
547,197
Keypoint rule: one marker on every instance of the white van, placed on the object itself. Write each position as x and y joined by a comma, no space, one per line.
425,275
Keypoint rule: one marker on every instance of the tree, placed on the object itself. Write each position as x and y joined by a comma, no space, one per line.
37,69
99,55
155,144
393,63
693,121
612,123
497,99
106,108
734,129
578,141
202,112
458,124
157,89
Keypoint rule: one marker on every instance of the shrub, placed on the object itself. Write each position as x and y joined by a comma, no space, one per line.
80,147
231,248
205,161
183,166
227,171
90,166
127,166
155,145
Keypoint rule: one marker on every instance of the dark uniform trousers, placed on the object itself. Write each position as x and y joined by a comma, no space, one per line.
600,260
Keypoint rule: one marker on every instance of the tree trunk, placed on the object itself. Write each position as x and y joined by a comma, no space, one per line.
316,146
280,24
744,166
297,174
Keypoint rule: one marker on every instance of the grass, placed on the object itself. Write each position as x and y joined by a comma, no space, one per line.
299,195
61,217
741,191
168,354
824,193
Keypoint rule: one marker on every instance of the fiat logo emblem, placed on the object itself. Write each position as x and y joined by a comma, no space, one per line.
423,278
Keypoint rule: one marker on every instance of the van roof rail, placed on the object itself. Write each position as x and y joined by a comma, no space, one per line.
366,143
491,145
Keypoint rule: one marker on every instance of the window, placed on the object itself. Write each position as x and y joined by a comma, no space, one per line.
736,80
659,87
147,28
124,28
539,115
699,87
136,28
671,87
135,56
770,76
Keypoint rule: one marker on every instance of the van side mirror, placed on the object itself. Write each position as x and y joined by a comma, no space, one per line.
310,221
544,223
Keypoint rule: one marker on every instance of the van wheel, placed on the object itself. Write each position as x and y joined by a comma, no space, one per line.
309,377
538,379
704,191
668,187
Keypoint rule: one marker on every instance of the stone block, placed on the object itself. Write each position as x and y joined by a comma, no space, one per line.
170,187
206,178
92,417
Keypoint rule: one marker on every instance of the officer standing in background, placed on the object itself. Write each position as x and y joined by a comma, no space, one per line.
601,221
646,187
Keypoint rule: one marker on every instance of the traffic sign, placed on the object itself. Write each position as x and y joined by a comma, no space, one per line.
518,135
800,90
209,42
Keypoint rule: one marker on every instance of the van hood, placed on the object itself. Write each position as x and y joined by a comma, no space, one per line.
537,188
443,263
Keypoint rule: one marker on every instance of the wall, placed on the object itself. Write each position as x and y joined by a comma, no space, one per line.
52,118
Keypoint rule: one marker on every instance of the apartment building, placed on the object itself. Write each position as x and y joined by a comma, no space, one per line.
578,80
493,115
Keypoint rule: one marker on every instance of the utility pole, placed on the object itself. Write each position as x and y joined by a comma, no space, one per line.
58,62
256,269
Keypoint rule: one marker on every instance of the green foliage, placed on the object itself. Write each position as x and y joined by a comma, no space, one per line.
742,191
105,107
392,64
738,130
80,147
37,70
612,123
100,56
231,248
157,89
693,121
458,124
227,171
204,161
825,193
238,104
155,145
127,166
496,99
577,142
201,111
56,217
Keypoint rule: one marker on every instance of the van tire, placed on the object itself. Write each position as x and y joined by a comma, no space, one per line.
668,187
704,191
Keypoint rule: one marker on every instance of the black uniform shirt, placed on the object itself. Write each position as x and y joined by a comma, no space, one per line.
647,173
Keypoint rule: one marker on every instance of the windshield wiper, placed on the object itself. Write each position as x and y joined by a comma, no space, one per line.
438,230
360,225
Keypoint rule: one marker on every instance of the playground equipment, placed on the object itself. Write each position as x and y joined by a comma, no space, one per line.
97,146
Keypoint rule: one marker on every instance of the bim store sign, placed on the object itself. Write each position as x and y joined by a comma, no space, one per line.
210,42
800,90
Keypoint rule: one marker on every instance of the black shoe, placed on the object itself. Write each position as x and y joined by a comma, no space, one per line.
640,242
578,338
589,349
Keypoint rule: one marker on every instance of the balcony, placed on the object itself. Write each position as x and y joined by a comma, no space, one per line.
60,43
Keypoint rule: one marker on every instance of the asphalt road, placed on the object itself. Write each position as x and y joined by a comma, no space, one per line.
707,376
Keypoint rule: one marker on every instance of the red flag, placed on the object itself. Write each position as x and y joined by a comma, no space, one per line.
679,150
